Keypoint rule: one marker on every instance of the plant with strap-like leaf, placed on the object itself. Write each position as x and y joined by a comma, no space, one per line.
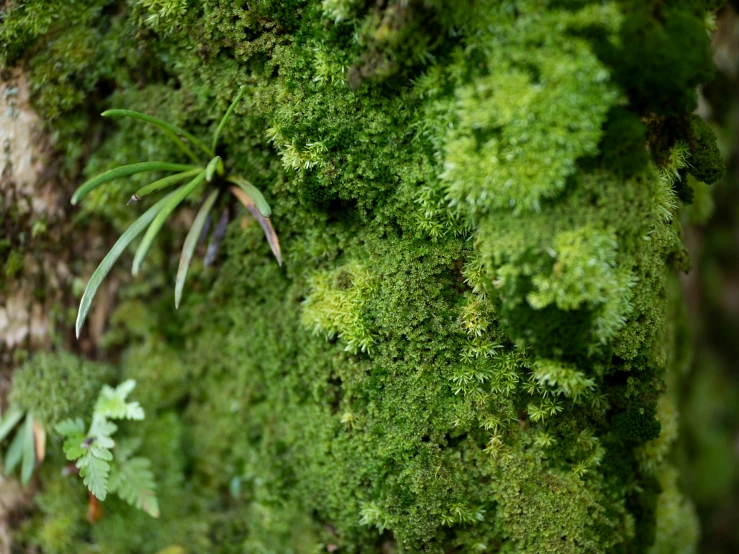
28,446
206,168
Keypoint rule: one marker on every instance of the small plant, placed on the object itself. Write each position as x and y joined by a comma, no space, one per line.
47,388
207,167
105,466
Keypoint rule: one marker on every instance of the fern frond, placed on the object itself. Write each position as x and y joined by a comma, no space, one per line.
133,481
112,403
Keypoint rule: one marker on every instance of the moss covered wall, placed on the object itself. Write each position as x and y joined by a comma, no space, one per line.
468,345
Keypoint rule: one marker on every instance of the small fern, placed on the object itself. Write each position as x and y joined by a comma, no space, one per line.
206,167
104,466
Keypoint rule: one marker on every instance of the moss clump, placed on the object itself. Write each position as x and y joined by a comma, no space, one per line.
334,306
624,139
706,163
529,495
55,386
466,347
638,424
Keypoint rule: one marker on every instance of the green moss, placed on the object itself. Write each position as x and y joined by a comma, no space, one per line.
55,386
663,53
706,164
334,306
638,424
467,345
529,496
623,147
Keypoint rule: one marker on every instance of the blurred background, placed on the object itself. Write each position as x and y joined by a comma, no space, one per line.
710,391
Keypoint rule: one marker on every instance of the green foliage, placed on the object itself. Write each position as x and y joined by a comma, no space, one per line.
637,424
500,153
706,163
46,389
25,446
156,216
623,148
334,306
532,499
55,386
133,480
660,60
466,350
101,470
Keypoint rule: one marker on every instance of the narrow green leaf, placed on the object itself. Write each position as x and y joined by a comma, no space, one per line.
225,118
176,198
162,125
10,419
211,169
264,222
136,228
181,144
253,193
123,171
156,186
15,452
29,451
191,242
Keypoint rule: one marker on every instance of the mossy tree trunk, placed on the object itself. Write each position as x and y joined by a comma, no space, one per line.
474,342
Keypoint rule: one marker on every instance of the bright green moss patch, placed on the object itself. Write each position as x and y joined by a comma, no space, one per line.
334,306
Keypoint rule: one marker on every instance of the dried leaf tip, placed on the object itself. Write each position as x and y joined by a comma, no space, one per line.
133,199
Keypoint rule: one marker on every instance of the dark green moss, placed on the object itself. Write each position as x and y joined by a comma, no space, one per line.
664,54
637,424
706,163
623,148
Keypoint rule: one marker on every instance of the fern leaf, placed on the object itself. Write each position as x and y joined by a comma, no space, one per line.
133,481
211,168
191,242
264,222
14,455
94,472
156,186
173,129
74,447
112,404
252,192
124,171
70,427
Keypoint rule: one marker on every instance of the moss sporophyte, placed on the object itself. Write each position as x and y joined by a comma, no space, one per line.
206,167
